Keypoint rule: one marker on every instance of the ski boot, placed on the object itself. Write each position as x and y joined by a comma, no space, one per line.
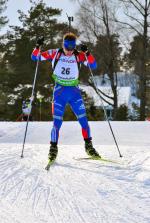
52,155
53,152
90,149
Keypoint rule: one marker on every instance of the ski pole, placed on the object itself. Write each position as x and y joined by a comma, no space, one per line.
105,113
32,96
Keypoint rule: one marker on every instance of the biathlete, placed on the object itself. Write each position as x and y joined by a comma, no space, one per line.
26,110
65,63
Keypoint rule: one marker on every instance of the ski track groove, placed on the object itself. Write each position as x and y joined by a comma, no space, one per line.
68,203
125,194
75,202
9,179
121,193
93,204
30,183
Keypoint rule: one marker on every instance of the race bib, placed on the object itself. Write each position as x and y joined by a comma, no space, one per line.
67,68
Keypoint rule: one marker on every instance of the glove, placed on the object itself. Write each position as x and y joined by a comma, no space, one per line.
84,49
39,42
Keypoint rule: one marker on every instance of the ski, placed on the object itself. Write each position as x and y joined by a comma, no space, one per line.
99,159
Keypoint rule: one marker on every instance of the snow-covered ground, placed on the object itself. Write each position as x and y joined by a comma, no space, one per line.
75,191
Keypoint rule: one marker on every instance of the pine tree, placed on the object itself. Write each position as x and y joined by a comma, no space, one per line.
40,21
3,75
3,19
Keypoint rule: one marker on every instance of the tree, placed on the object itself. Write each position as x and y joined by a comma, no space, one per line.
122,113
3,75
101,29
138,20
40,21
3,19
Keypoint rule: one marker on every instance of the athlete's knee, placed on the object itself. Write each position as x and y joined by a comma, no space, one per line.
54,134
83,120
80,107
57,111
57,120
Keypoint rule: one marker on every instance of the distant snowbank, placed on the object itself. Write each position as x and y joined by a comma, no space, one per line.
127,133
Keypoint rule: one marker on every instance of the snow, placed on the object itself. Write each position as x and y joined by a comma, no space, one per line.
75,191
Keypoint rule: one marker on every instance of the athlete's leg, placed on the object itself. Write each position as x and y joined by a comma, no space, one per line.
78,108
58,107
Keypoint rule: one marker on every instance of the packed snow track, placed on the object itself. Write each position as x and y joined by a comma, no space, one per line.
74,191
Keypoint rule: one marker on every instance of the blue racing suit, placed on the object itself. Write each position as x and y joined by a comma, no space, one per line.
68,95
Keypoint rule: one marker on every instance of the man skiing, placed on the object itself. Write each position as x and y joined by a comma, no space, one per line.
65,63
26,110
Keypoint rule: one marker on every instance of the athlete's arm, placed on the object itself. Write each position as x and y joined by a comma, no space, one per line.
46,55
88,59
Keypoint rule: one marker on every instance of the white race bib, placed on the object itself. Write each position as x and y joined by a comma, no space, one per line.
67,68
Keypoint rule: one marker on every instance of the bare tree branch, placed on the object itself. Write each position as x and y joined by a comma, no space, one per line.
128,24
148,5
88,10
99,91
96,90
138,8
134,18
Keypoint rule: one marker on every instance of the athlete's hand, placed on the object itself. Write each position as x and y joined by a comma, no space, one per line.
39,42
84,49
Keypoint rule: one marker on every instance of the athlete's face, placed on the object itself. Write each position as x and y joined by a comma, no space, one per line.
68,52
